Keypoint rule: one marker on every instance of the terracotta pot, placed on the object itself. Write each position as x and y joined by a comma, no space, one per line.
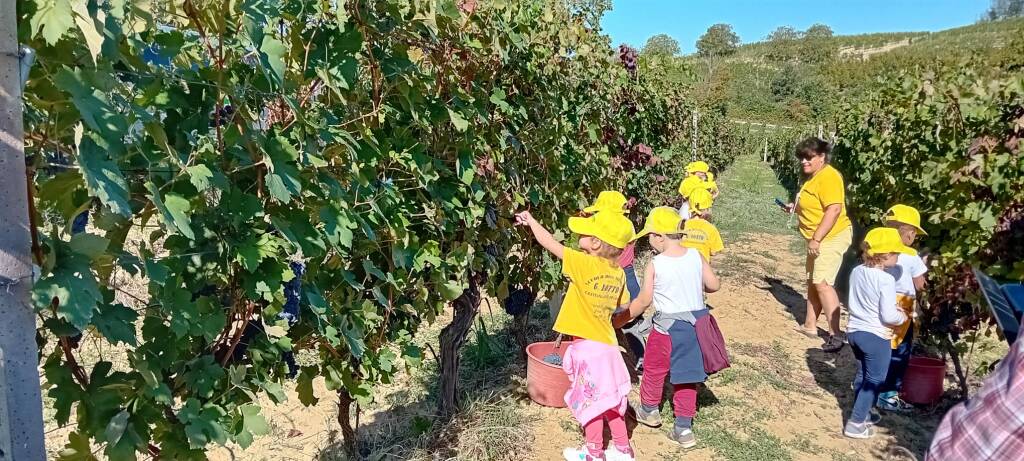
546,383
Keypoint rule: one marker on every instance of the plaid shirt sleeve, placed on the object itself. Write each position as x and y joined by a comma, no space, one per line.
991,424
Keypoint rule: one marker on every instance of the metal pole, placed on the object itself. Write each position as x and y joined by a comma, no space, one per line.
693,137
21,410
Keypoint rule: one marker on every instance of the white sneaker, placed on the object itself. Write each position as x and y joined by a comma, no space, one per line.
579,454
613,454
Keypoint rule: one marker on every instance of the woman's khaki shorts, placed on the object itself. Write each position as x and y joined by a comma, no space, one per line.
825,266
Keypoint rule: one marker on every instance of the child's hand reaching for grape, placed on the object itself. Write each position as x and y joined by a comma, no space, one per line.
523,218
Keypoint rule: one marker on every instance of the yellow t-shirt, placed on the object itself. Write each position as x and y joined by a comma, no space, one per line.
702,236
823,189
596,288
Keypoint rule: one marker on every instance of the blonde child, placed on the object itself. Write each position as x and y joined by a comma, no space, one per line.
696,177
873,314
700,234
635,332
909,273
674,282
599,380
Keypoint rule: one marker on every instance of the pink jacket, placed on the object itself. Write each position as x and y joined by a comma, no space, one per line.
598,379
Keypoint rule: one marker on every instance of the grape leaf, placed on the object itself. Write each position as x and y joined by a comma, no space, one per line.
202,423
53,17
115,429
94,106
200,176
458,121
304,387
89,245
337,226
74,286
77,449
103,178
116,322
85,23
253,424
173,209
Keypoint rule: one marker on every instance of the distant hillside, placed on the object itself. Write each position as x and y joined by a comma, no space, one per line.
993,34
796,81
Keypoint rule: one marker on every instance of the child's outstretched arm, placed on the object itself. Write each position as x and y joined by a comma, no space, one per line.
544,238
640,303
711,283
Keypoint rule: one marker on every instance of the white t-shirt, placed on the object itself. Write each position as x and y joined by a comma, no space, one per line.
679,283
907,267
872,302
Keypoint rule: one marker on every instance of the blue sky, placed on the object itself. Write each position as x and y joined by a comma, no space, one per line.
633,21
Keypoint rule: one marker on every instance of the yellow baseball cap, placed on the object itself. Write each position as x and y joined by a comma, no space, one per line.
612,228
886,240
907,215
698,166
700,199
662,220
608,200
689,184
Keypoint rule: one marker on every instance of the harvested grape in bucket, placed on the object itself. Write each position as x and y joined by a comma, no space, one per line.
553,358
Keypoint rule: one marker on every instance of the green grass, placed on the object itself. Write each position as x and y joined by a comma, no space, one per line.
747,200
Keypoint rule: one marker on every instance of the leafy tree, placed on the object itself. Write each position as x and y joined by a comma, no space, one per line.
590,11
783,44
662,45
1002,9
719,40
818,31
817,45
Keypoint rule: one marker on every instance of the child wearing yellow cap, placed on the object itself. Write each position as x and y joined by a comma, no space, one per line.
909,273
873,314
674,282
695,178
636,331
711,185
700,234
599,379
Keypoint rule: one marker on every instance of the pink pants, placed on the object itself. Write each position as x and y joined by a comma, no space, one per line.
657,363
594,432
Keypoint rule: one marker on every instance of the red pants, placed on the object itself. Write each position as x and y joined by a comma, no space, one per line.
594,432
657,363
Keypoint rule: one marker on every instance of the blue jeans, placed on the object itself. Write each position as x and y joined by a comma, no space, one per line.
898,364
873,354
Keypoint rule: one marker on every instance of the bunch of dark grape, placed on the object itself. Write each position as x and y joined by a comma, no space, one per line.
291,294
519,301
78,225
225,113
553,359
627,55
1008,238
638,156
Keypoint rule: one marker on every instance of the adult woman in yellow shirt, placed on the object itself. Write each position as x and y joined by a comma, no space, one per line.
821,209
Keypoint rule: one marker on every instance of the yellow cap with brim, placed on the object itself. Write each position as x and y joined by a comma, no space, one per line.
689,184
907,215
886,240
611,228
662,220
700,199
698,167
608,200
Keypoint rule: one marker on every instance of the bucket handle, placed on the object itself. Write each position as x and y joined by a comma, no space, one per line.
558,341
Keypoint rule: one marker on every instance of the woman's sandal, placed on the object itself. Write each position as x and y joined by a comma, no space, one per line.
813,334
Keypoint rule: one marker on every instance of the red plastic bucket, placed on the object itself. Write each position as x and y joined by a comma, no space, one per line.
546,383
923,383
